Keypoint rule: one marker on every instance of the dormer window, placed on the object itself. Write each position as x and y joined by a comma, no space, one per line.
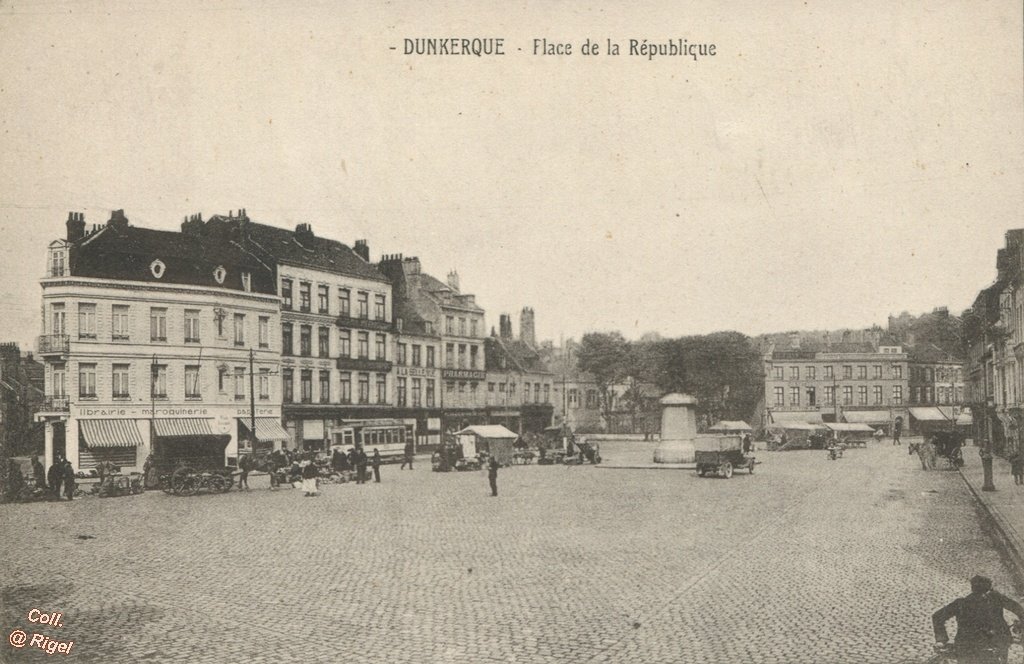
57,263
247,282
157,268
219,274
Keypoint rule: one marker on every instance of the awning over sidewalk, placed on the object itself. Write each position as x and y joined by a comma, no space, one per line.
964,419
110,433
795,426
842,426
795,417
930,414
867,416
182,427
267,429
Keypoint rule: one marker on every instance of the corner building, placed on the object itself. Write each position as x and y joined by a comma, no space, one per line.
154,338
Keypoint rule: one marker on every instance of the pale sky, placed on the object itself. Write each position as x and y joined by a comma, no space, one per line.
829,166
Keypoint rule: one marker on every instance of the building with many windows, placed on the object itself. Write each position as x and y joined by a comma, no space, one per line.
864,382
520,387
155,338
336,334
458,322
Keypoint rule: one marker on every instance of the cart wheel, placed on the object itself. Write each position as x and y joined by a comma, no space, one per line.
216,483
727,470
751,466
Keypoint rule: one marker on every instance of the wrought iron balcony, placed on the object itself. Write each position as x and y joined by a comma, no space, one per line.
364,323
362,364
60,404
53,344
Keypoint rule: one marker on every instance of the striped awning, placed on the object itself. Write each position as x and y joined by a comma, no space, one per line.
267,428
110,433
183,426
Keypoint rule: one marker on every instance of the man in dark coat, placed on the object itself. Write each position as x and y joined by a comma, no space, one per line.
407,458
55,477
360,466
376,465
69,480
39,473
982,634
492,475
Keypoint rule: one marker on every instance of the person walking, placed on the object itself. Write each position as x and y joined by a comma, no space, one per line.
69,480
1017,468
492,475
244,465
309,478
38,473
897,429
360,465
407,457
376,465
55,477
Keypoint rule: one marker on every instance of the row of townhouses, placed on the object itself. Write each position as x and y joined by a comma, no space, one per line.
268,336
873,380
993,332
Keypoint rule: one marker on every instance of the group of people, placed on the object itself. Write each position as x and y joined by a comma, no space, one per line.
60,476
356,459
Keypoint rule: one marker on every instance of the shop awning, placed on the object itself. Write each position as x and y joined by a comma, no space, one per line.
110,433
796,426
181,427
867,416
964,417
795,417
267,429
843,426
931,414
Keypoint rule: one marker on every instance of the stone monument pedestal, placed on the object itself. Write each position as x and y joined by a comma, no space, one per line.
678,429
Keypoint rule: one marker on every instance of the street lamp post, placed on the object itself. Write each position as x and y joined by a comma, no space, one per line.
986,449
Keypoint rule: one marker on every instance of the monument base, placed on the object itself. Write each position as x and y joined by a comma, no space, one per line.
674,451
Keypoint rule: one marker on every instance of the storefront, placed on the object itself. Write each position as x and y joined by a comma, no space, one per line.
126,435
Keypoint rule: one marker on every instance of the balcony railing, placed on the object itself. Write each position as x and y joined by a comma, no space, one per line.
362,364
61,404
363,323
53,343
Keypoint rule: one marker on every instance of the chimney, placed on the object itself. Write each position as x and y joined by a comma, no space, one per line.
117,219
193,225
505,326
828,340
794,340
76,226
453,280
411,265
526,331
303,233
362,250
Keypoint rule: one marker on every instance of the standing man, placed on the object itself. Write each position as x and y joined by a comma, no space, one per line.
69,480
897,429
38,473
244,465
492,475
360,465
376,465
56,476
982,634
407,459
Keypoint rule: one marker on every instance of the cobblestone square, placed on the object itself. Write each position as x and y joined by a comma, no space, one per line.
806,560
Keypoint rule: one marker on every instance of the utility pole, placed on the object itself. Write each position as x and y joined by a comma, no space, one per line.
152,404
252,403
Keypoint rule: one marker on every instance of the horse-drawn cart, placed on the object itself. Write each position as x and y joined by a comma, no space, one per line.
721,455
